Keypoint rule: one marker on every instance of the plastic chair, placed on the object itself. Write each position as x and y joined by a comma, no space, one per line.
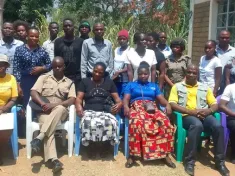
32,127
14,135
181,133
78,136
224,124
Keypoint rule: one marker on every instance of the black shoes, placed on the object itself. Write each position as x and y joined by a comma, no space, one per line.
222,169
35,144
233,160
57,166
189,169
1,162
169,163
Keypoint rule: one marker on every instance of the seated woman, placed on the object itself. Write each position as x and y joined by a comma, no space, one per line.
151,134
8,96
98,124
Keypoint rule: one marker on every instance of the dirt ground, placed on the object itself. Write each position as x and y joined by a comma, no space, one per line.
82,166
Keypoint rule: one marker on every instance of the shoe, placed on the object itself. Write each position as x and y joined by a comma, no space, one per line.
189,169
129,163
57,166
35,144
169,163
223,170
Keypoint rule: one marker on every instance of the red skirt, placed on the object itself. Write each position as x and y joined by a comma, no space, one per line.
150,135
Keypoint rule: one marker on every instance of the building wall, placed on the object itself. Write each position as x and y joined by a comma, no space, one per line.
200,29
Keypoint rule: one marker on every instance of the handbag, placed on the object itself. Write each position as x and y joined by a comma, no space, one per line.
36,107
148,106
108,103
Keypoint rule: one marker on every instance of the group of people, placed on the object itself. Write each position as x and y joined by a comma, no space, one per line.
144,83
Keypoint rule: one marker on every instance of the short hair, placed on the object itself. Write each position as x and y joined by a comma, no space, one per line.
144,65
21,23
100,64
33,28
154,35
224,30
212,41
9,23
68,19
136,37
53,22
178,41
98,23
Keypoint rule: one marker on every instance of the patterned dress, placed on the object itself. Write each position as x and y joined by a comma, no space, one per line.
24,61
150,135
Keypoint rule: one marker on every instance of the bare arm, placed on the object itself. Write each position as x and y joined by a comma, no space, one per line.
153,73
168,81
227,76
162,74
78,103
118,104
223,107
8,106
218,75
164,103
126,101
130,72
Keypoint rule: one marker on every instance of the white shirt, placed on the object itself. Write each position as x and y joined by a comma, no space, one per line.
225,56
49,47
207,70
134,60
229,95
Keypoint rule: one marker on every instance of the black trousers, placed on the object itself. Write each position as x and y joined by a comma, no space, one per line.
195,127
231,127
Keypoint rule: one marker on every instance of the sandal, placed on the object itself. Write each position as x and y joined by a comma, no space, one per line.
130,163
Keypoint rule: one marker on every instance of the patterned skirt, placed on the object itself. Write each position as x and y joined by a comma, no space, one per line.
150,135
98,126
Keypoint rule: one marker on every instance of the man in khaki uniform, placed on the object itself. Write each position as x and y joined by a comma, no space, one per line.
60,92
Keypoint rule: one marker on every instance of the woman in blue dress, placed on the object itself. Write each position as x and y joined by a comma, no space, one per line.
30,61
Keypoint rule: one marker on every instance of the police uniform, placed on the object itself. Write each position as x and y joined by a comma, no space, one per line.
56,92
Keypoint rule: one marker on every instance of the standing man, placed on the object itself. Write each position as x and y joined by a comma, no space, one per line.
164,48
69,47
8,44
96,49
60,97
84,29
49,44
226,53
224,50
197,104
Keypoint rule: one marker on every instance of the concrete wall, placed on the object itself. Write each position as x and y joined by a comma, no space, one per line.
200,29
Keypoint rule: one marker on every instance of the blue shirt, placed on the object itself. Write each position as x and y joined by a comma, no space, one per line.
150,91
93,52
225,56
9,51
25,59
166,51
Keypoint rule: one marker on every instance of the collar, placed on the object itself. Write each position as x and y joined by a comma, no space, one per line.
229,48
14,42
184,83
141,83
52,41
172,58
94,42
53,77
167,48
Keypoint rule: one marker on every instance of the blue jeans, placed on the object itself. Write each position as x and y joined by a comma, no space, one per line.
195,127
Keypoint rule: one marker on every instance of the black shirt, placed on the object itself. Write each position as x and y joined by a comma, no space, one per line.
95,96
70,51
160,57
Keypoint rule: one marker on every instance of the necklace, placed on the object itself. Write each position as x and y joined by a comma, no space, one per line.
97,84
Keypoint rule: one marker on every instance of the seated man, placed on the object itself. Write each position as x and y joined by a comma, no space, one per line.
60,92
197,104
227,105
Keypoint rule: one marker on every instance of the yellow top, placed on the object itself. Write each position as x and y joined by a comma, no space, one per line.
8,89
191,96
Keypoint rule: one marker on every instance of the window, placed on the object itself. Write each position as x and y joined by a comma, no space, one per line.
226,18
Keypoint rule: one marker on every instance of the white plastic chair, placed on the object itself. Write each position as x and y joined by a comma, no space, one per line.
32,127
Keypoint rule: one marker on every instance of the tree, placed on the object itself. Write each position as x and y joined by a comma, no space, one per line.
2,2
25,9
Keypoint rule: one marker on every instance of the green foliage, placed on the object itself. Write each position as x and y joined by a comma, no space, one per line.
25,9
